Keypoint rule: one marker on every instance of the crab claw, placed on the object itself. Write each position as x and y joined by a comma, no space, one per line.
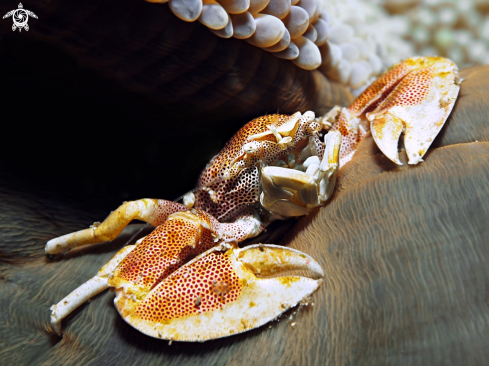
289,192
414,97
418,107
218,294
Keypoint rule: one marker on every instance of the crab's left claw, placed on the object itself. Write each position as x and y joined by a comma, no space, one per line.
218,294
418,107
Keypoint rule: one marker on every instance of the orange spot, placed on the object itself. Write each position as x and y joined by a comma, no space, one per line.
220,288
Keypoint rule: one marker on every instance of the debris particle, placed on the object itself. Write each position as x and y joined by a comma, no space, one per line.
95,225
445,102
213,196
198,301
458,80
220,288
189,200
305,302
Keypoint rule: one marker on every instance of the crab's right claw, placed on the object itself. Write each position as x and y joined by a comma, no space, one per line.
218,294
418,107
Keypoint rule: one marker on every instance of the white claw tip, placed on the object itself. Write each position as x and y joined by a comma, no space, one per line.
56,324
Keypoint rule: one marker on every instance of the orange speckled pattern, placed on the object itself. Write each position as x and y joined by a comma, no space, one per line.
350,137
241,187
164,250
236,230
164,209
407,83
234,177
233,149
233,195
380,87
203,286
413,89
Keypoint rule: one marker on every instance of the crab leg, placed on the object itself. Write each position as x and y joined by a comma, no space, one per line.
218,293
152,211
89,289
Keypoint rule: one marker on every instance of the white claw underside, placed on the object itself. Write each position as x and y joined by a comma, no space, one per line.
237,317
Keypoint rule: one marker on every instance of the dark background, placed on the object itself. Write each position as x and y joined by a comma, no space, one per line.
66,128
117,101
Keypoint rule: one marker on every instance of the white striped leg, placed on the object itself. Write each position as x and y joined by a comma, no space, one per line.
89,289
152,211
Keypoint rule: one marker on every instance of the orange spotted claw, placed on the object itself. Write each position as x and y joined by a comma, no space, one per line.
418,107
414,97
218,294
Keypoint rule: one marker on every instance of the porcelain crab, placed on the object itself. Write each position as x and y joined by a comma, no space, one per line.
276,166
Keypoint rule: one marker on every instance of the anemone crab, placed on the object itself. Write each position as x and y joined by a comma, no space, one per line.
275,167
